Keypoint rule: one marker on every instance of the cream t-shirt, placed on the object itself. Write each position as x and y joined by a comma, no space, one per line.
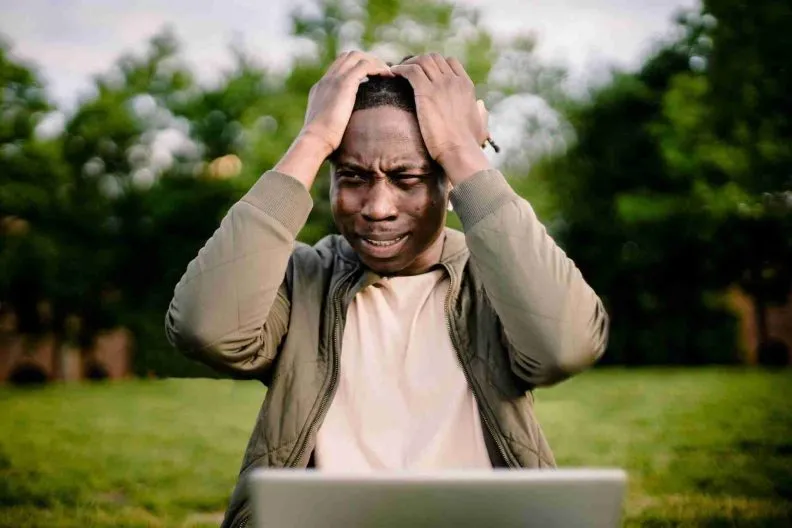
402,400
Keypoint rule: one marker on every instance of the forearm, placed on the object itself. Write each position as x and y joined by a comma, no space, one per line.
551,317
230,287
304,158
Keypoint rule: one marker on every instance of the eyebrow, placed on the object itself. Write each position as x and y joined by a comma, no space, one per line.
404,167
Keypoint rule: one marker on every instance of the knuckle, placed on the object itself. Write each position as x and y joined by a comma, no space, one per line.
353,76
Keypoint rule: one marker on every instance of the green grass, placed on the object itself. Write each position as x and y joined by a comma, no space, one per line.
704,447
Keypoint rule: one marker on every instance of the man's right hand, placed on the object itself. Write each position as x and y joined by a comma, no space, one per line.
330,105
331,100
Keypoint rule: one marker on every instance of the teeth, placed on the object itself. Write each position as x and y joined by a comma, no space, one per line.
383,243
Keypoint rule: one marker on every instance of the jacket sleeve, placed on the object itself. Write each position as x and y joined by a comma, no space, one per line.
553,322
231,307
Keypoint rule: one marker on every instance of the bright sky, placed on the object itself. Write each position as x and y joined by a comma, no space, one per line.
73,39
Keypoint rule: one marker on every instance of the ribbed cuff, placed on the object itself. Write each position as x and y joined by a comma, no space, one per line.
283,198
480,195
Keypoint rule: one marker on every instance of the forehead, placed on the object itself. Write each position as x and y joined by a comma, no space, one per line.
382,135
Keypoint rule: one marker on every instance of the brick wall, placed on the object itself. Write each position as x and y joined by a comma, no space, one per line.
779,325
109,357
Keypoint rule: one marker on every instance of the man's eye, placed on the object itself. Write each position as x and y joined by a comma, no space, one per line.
350,177
407,180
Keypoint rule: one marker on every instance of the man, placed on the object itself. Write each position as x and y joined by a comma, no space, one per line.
444,335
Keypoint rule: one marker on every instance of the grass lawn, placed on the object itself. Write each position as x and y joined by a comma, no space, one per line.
705,447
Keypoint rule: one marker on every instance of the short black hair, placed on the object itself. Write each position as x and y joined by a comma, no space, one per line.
385,91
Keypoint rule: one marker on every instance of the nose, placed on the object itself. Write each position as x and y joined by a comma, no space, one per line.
380,203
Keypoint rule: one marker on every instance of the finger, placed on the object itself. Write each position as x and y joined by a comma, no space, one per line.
336,65
383,68
428,65
414,74
354,59
456,66
366,68
350,60
441,63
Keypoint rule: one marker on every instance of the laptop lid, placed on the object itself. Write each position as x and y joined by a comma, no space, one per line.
488,498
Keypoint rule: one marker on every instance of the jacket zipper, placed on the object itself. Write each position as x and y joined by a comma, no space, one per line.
484,415
333,375
333,379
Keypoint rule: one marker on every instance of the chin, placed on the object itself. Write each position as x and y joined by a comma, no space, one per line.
384,267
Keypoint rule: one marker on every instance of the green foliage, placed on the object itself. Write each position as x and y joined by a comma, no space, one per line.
726,128
750,82
662,207
166,453
626,222
31,203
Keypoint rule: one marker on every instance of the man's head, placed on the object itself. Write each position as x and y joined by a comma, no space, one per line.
388,196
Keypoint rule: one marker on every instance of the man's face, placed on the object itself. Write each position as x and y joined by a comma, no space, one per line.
388,198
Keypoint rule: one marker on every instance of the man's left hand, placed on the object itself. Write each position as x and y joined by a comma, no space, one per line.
452,123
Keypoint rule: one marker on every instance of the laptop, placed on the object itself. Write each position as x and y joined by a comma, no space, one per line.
458,499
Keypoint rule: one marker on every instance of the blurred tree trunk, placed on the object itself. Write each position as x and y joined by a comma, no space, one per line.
760,312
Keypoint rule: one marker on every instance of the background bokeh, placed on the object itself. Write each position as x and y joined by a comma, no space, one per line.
666,176
668,184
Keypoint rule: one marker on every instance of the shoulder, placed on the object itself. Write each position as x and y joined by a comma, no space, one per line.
322,255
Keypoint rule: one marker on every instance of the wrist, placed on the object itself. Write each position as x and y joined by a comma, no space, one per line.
460,163
304,158
315,142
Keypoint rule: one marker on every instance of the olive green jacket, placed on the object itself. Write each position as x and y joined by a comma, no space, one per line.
258,305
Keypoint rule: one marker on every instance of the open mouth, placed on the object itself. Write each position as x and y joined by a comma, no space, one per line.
383,243
383,248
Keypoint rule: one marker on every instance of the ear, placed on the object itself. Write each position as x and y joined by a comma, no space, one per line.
449,188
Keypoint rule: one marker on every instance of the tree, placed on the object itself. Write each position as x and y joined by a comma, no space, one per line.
32,202
659,198
750,84
635,226
75,209
726,125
